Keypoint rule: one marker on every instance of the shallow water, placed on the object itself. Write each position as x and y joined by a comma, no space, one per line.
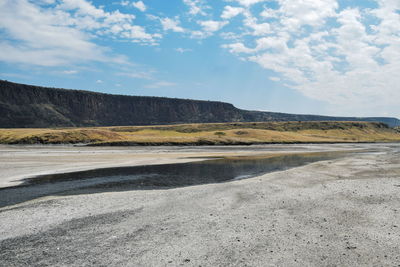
155,176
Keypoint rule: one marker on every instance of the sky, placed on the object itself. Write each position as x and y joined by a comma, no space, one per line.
328,57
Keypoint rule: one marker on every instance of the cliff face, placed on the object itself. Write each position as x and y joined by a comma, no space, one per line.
33,106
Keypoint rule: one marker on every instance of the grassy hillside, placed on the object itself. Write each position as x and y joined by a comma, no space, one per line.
207,134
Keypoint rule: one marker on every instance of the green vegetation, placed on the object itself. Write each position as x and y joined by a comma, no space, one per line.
219,134
208,134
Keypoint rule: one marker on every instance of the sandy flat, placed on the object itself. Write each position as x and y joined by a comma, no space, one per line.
339,212
19,162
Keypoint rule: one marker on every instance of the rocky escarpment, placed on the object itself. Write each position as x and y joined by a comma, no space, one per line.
33,106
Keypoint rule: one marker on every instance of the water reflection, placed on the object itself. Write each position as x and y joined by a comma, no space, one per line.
155,176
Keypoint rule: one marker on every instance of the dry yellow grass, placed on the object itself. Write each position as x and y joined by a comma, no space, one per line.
213,133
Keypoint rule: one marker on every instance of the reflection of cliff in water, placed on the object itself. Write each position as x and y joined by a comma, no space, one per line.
155,176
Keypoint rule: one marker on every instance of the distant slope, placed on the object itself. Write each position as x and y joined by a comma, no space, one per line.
27,106
238,133
276,116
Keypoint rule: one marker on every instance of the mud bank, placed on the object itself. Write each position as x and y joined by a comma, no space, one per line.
342,211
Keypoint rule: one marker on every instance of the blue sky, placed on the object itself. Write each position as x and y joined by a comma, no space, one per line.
311,56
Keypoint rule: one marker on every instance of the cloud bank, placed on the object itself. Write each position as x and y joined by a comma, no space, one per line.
344,53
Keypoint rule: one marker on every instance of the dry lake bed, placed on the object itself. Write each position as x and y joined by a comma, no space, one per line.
267,205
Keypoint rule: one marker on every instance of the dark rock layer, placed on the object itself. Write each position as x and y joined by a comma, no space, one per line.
23,106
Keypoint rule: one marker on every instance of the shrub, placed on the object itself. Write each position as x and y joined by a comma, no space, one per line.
220,134
241,132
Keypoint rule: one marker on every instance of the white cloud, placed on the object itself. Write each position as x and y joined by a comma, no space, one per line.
82,7
200,34
196,7
348,56
238,48
212,25
62,33
138,34
171,24
208,28
140,5
42,40
183,50
275,79
230,12
70,72
46,2
258,29
268,13
347,63
99,81
87,16
248,2
231,36
160,84
295,14
276,44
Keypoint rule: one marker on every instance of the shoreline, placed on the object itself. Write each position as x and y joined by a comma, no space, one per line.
327,213
124,143
192,144
27,161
